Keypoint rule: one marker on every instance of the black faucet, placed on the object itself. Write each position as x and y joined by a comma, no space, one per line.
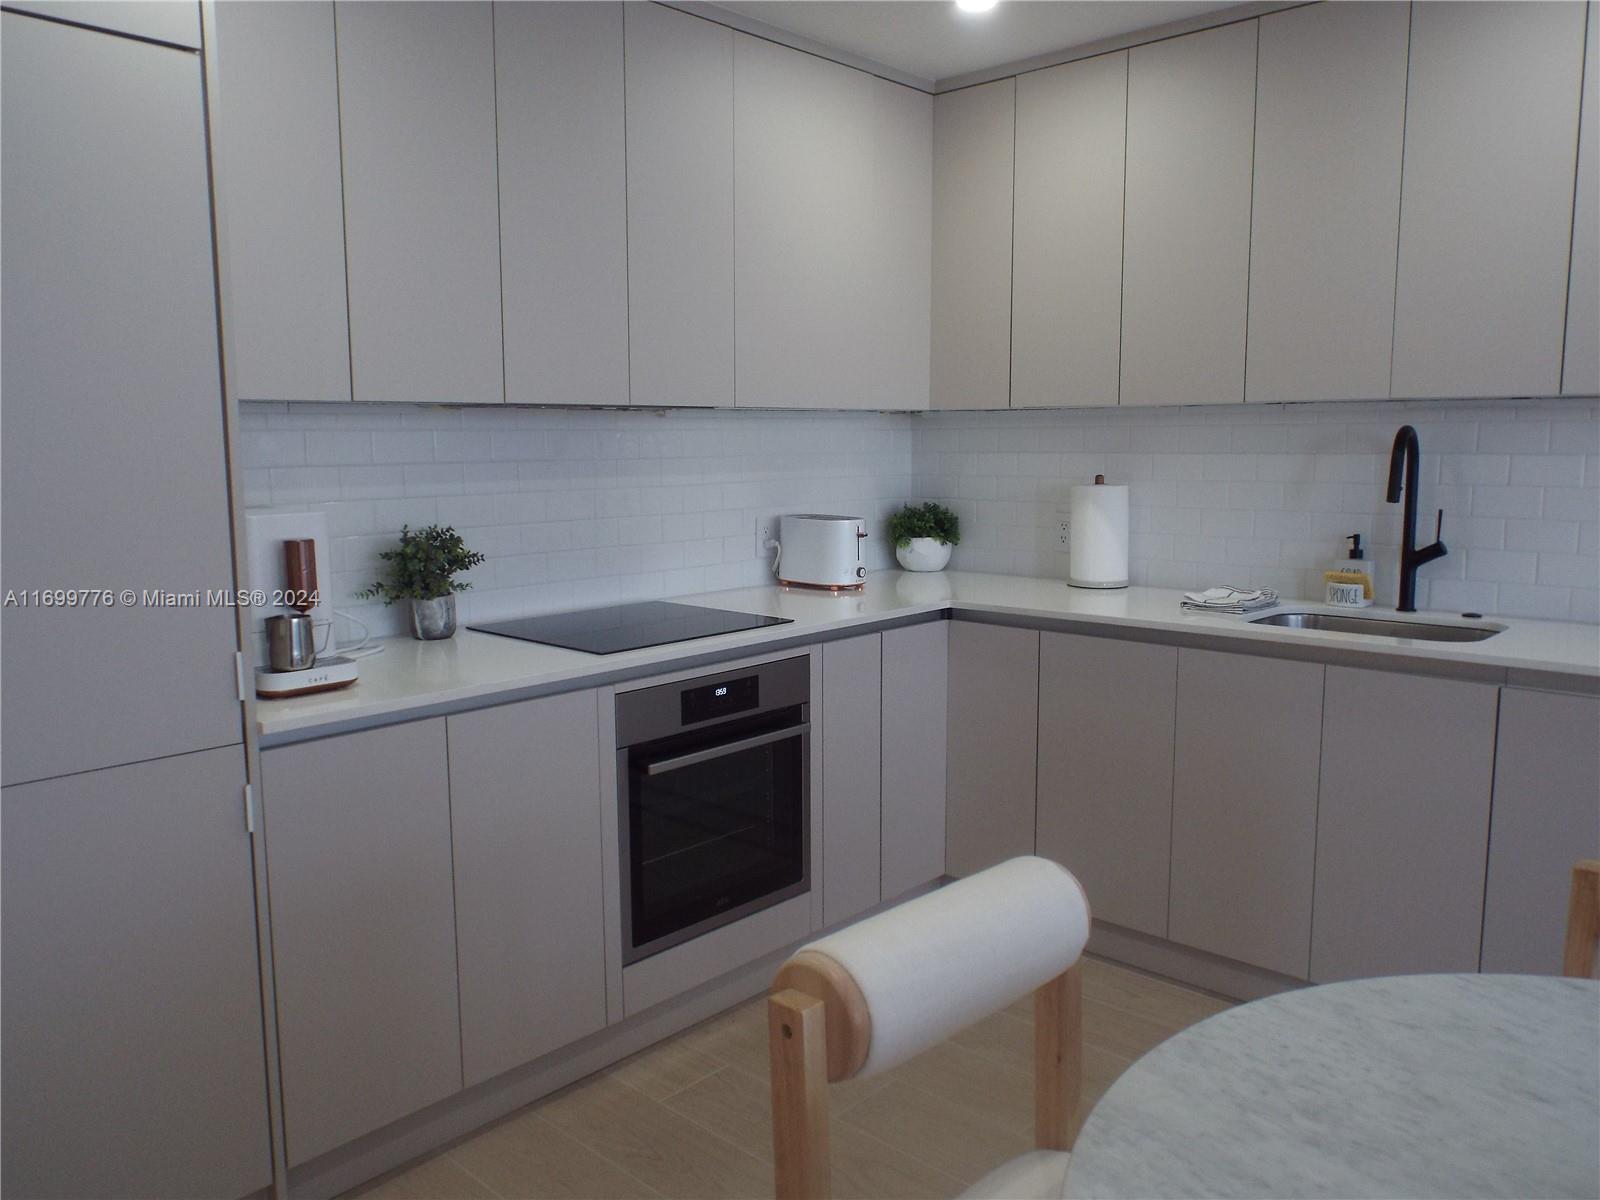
1403,476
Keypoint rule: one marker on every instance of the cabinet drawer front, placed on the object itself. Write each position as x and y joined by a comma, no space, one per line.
1244,807
1105,771
1402,824
525,824
992,745
363,930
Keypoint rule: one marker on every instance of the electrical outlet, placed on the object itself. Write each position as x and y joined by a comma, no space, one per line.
766,531
1064,535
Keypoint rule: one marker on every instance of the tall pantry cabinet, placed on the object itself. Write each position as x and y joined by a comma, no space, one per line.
134,1061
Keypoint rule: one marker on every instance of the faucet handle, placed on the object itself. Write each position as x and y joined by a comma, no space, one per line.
1438,526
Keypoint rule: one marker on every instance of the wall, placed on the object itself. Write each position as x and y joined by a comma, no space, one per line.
579,508
1261,495
574,508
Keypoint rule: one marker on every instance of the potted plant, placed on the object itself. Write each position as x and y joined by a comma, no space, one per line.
424,563
923,534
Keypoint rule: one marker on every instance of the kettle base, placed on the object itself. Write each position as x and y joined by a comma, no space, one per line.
823,587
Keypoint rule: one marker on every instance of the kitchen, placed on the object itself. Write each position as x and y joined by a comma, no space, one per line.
297,898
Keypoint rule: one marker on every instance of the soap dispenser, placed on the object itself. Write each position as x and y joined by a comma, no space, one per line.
1349,580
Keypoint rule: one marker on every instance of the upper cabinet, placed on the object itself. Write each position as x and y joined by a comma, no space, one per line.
832,214
563,202
417,111
1330,121
1066,257
974,135
1580,373
680,207
802,188
900,253
1486,206
280,201
1186,253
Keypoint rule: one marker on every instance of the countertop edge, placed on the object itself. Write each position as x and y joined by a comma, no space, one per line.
286,727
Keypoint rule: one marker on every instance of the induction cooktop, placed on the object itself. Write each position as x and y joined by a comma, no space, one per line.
627,626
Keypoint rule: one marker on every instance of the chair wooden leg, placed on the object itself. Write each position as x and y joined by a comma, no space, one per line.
1583,920
797,1043
1058,1059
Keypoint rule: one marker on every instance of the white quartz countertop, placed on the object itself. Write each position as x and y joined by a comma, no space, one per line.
412,678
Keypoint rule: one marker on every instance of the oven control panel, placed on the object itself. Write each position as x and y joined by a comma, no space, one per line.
721,699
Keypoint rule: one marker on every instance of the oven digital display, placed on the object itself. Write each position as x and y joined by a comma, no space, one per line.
720,699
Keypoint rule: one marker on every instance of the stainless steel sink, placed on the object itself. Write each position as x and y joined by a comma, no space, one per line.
1379,627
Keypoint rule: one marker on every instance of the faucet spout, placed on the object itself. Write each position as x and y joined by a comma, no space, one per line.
1404,459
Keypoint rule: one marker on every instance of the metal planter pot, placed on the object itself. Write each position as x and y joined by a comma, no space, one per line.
433,620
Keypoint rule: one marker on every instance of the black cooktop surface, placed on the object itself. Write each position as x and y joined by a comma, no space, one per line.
627,626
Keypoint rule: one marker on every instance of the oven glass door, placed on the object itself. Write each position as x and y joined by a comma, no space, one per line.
717,828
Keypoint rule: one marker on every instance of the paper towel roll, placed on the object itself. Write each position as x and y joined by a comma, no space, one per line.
1099,536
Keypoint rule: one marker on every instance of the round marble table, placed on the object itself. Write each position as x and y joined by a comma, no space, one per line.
1411,1086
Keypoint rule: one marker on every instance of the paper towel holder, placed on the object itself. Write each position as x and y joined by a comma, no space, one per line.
1098,536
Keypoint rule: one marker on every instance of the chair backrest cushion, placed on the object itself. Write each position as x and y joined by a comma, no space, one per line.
936,964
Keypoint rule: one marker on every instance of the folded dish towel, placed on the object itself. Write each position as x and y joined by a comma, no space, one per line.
1228,599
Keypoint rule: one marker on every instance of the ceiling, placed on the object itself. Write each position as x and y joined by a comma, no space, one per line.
933,40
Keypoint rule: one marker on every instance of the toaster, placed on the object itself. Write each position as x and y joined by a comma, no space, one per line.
821,550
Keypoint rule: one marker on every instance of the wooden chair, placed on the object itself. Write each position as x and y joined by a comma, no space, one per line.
868,998
1583,920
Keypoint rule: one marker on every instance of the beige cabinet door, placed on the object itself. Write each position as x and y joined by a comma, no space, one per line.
852,745
280,200
803,184
916,689
1546,817
1402,824
133,1043
1486,206
422,217
974,135
525,838
1186,255
1066,256
1330,123
680,207
1580,373
1105,771
363,930
563,202
114,466
899,248
1244,807
992,745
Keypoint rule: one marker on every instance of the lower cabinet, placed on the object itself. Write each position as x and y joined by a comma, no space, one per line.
1402,824
993,727
916,672
1244,807
363,930
1105,771
1546,817
852,691
132,999
525,826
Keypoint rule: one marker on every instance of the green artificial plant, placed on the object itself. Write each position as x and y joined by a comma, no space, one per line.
424,562
928,520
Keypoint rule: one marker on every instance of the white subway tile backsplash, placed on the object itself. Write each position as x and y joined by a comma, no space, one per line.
1264,495
580,507
575,508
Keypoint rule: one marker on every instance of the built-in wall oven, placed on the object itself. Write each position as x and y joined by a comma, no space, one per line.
714,801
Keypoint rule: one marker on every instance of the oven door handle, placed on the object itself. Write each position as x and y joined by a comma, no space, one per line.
663,765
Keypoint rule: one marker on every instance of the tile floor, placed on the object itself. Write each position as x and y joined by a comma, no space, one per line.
689,1117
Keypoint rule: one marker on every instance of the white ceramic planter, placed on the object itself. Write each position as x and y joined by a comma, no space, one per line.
923,554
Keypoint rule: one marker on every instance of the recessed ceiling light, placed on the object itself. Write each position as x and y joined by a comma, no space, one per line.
976,6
